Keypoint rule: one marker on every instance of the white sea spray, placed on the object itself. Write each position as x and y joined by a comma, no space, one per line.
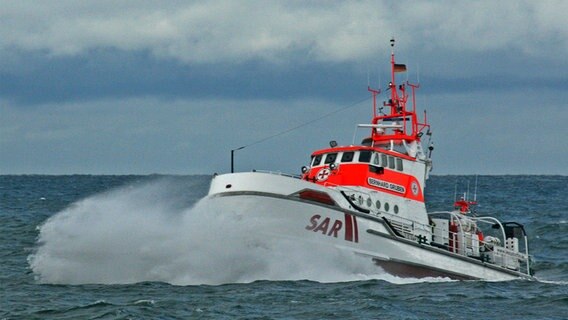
145,233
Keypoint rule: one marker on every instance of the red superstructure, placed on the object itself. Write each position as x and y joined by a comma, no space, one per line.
391,159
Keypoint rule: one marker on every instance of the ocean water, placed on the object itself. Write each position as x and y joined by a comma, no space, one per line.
146,247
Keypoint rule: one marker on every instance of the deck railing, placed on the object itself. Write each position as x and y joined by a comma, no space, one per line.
463,241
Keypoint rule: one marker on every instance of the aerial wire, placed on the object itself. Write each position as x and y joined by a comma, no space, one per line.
303,124
294,128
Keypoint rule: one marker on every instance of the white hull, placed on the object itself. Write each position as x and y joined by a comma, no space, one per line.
274,199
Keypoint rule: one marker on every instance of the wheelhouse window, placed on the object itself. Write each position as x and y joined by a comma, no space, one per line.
317,160
347,156
330,158
399,148
384,160
365,156
377,159
398,164
391,162
383,145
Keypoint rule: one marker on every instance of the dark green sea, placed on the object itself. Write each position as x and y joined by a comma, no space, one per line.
142,247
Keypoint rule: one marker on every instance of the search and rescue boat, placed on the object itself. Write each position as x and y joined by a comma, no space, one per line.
369,199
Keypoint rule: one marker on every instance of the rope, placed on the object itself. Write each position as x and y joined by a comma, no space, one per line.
303,124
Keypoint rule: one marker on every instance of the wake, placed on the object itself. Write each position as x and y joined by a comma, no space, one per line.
149,233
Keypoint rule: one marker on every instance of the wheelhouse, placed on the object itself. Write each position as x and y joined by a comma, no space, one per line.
374,157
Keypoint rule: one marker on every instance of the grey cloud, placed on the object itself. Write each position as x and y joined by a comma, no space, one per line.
171,87
217,31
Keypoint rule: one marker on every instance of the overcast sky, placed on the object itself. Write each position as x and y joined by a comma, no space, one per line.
136,87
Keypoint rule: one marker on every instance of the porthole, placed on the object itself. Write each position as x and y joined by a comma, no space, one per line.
369,202
386,206
395,208
378,204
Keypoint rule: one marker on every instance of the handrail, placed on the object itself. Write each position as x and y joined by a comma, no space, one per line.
408,228
279,173
458,217
503,251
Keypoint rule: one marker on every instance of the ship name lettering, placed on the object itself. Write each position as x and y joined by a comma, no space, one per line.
386,185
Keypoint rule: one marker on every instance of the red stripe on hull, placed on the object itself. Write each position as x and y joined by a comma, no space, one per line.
348,228
355,229
351,229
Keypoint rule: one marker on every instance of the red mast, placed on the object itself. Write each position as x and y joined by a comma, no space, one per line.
401,123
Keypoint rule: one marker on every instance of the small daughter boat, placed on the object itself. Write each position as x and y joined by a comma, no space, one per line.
369,199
